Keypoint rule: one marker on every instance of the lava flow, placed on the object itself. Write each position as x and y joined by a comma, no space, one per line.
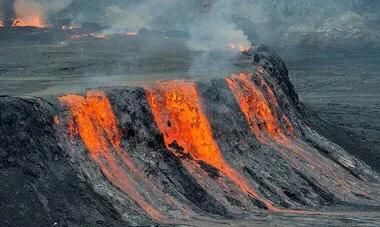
269,126
93,119
178,113
257,110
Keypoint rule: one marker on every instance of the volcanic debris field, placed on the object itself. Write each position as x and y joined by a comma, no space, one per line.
150,144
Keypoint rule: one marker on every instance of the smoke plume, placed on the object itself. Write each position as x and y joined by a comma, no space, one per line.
215,30
132,17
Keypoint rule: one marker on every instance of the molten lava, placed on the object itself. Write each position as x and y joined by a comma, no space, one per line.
93,119
34,21
255,107
28,13
240,47
260,107
178,113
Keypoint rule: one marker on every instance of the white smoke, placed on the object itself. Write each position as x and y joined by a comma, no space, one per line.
217,38
133,17
216,30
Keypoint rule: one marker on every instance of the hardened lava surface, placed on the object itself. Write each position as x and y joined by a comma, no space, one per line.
233,151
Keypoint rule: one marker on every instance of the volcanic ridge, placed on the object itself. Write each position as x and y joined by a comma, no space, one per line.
174,152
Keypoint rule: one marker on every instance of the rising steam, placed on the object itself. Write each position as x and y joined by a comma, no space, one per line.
130,18
215,30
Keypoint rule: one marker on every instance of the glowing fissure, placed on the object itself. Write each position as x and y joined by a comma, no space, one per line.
178,113
93,119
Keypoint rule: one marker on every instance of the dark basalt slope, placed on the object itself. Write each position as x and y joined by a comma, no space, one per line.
63,162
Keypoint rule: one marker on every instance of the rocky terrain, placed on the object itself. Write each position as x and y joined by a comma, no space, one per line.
240,150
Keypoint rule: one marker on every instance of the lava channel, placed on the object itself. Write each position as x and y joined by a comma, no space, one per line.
275,129
178,113
93,119
257,110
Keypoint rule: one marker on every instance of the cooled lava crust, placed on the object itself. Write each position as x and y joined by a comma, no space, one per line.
173,152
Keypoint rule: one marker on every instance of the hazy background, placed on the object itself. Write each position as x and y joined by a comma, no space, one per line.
321,23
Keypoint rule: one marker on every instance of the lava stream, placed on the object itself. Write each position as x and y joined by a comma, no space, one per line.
93,119
177,111
258,110
272,128
255,107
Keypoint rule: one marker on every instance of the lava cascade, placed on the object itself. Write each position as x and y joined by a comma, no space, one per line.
259,105
93,119
263,121
270,127
178,113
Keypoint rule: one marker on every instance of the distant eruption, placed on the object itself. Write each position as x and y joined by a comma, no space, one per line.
24,13
242,47
28,13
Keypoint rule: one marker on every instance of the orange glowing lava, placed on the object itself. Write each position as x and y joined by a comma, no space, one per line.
178,113
35,21
132,33
271,127
240,47
255,107
28,13
93,119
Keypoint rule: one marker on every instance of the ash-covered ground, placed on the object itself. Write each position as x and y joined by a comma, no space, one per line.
339,86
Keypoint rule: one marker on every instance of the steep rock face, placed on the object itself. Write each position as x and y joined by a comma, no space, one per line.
38,183
172,152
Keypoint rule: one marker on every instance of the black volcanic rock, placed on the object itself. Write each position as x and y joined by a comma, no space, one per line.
48,175
38,185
